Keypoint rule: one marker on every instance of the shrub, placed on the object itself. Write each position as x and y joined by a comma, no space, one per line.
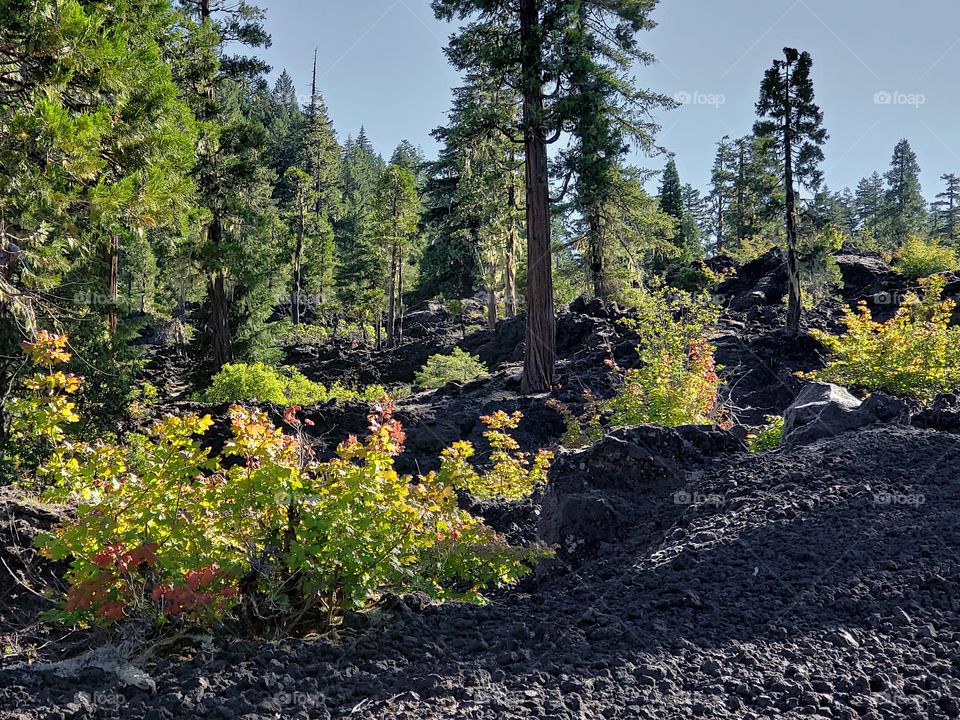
42,408
915,354
585,428
240,381
513,474
164,530
677,381
919,258
458,366
285,333
768,437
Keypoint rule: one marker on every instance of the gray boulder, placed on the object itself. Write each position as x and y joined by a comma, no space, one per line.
824,410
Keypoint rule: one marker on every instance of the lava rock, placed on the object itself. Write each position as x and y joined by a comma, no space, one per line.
824,410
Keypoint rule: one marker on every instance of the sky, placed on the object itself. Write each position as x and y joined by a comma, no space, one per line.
883,70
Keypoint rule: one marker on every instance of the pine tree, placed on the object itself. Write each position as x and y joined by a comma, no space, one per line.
524,45
905,208
948,208
94,147
671,191
212,82
787,112
396,217
360,270
607,116
722,193
694,218
869,205
324,164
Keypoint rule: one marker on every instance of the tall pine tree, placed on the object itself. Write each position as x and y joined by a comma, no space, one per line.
789,114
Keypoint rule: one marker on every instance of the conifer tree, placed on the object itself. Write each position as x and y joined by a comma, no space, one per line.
524,45
947,207
869,205
789,114
213,83
905,207
721,196
396,217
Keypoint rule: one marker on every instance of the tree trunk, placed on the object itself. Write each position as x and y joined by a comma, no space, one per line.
297,272
794,300
492,308
540,345
392,302
113,281
597,269
510,265
219,306
400,308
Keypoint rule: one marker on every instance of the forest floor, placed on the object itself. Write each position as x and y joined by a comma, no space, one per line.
693,579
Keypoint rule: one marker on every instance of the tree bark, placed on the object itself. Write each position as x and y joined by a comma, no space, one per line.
540,345
492,308
392,302
510,264
597,269
297,270
219,305
794,299
113,281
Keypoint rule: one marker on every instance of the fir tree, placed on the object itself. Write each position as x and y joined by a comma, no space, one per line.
789,114
905,209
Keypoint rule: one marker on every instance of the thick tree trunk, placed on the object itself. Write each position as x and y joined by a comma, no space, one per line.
540,349
510,264
794,299
113,281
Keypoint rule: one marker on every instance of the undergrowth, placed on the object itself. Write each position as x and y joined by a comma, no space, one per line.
265,532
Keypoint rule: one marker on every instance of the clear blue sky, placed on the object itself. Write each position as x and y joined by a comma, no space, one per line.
883,69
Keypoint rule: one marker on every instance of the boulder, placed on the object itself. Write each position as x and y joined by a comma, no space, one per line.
760,282
824,410
623,485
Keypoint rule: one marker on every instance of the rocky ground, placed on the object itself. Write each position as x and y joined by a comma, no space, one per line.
692,579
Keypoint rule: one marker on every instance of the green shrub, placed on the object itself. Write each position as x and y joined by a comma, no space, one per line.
256,381
513,474
768,437
919,258
916,354
458,366
167,532
677,381
285,333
